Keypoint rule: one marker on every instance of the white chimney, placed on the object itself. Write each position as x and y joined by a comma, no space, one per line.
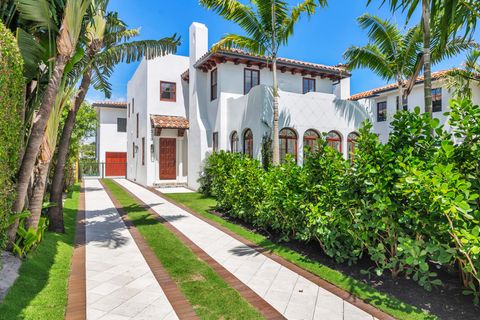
198,41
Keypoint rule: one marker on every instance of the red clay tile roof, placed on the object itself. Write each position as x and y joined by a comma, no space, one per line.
338,71
393,86
169,122
110,104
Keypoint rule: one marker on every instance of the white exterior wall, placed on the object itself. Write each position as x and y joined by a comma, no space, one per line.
108,138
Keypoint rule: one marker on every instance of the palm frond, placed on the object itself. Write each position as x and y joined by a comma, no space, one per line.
120,36
230,41
370,57
71,25
32,53
136,50
100,80
381,32
38,13
452,48
306,7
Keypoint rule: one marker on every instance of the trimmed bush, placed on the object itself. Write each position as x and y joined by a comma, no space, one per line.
12,86
408,205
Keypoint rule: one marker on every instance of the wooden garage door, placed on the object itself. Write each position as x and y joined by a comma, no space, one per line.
168,155
115,164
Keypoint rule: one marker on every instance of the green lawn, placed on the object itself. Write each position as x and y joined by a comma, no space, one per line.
207,292
386,303
40,291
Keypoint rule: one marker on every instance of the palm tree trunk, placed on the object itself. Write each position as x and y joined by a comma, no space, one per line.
276,140
427,71
36,201
56,213
35,140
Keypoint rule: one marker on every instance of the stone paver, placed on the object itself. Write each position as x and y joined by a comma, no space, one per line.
174,190
291,294
120,285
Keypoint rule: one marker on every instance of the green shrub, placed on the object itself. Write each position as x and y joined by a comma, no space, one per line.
11,108
408,205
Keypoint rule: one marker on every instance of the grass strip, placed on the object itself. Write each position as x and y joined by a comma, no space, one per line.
40,291
207,292
398,309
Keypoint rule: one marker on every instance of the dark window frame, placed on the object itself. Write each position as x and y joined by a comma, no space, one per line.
143,151
174,99
213,86
437,104
287,140
215,141
248,142
332,140
308,80
311,141
352,145
137,124
245,70
382,117
234,141
133,144
124,125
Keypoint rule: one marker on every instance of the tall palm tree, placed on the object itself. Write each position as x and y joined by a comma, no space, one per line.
447,17
268,25
106,46
396,56
67,34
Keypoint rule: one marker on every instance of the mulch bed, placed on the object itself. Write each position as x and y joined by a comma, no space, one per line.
447,301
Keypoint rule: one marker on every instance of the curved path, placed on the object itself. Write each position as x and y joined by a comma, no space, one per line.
293,295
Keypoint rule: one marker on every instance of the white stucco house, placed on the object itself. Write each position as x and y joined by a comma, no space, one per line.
181,108
111,137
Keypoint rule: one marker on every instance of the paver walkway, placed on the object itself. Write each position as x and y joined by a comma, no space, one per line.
120,285
288,292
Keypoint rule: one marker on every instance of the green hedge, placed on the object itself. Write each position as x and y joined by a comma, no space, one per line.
409,204
11,105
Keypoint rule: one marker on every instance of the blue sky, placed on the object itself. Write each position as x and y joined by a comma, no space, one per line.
321,39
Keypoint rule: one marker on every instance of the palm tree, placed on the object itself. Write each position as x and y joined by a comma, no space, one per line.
396,56
106,46
268,25
67,34
460,80
447,17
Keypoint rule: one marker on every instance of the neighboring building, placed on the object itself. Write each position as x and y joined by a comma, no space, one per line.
111,137
382,103
180,109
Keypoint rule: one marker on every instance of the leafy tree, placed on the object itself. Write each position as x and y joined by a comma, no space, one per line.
12,86
268,25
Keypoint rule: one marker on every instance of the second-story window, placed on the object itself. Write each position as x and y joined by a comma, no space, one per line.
308,85
121,125
168,91
382,111
213,85
251,79
437,99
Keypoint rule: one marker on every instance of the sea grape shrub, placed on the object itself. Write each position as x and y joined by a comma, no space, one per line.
407,205
12,84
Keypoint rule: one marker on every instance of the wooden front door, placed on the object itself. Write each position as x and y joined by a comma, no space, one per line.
168,156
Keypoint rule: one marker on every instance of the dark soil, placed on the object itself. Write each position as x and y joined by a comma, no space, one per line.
447,301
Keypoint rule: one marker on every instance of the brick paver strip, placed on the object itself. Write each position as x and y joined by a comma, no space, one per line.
248,294
182,307
348,297
77,297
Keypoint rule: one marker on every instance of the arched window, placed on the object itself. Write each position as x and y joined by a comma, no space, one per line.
310,140
248,142
352,145
234,142
334,140
288,143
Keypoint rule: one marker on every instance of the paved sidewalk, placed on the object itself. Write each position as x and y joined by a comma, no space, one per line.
291,294
120,285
